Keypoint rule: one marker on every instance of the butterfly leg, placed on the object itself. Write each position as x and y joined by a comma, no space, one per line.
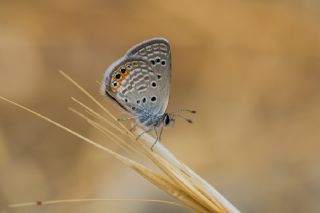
126,119
157,137
160,133
133,128
146,131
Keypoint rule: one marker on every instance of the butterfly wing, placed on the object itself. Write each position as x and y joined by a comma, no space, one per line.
157,52
130,82
140,80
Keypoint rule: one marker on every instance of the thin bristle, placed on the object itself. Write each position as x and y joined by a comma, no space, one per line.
51,202
175,178
98,115
108,133
153,177
85,139
91,97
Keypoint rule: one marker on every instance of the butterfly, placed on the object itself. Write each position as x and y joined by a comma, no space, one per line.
140,83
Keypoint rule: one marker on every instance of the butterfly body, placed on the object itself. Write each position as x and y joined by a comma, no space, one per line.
140,83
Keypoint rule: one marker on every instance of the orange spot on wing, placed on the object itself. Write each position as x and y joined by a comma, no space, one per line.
123,77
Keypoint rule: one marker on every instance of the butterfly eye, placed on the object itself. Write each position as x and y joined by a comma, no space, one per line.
158,60
167,120
129,66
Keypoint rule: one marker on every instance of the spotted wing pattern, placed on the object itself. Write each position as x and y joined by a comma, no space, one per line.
140,80
157,52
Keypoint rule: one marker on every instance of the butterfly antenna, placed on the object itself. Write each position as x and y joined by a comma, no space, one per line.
185,110
184,118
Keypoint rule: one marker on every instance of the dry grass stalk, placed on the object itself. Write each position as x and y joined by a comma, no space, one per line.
176,179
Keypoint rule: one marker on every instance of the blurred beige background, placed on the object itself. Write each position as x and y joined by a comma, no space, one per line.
250,68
